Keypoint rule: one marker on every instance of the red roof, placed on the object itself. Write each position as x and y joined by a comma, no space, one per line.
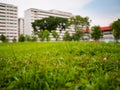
85,31
107,28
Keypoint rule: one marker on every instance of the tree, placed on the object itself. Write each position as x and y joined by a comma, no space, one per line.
34,38
96,32
40,35
46,34
67,36
77,35
21,38
14,39
50,23
55,35
3,38
115,26
79,22
27,38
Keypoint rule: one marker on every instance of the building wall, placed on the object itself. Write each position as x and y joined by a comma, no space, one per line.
20,26
34,14
9,21
107,36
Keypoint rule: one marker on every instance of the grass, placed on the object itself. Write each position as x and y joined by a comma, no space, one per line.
59,66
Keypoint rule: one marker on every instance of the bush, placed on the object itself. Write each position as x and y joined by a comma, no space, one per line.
14,39
21,38
67,36
55,35
3,38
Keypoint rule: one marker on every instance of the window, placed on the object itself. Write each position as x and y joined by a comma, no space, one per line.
107,32
2,16
2,5
2,22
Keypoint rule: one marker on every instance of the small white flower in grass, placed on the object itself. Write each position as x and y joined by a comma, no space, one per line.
105,58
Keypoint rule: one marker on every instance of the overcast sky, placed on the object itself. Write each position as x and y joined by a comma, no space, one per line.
101,12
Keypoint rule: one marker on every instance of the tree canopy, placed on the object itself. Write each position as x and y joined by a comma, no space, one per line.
115,26
3,38
55,35
50,23
79,22
96,33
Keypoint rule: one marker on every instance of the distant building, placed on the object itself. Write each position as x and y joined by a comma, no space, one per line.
86,34
34,14
107,34
20,26
9,21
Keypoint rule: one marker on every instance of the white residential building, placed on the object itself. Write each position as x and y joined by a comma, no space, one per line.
20,26
107,34
33,14
9,21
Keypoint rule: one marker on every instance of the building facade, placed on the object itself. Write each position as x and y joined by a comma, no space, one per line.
86,34
20,26
9,21
107,34
34,14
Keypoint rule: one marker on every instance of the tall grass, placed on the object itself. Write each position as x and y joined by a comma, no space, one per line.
59,66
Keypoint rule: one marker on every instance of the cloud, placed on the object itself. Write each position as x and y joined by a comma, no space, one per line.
66,5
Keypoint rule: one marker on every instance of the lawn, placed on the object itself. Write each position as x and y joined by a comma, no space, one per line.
59,66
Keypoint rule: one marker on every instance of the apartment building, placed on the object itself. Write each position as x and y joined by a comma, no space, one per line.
107,34
20,26
33,14
9,21
86,35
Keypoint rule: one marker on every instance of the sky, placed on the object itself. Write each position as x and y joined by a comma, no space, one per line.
101,12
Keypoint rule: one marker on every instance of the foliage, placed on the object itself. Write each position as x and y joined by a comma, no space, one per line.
67,36
3,38
115,26
77,35
46,34
21,38
14,39
27,38
34,38
96,33
79,22
59,66
50,23
55,35
41,35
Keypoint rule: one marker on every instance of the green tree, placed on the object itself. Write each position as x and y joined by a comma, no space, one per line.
46,34
27,38
79,22
55,35
96,32
21,38
67,36
115,26
41,35
50,23
3,38
77,35
14,39
34,38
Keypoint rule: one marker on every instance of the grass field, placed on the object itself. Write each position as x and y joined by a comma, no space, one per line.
59,66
